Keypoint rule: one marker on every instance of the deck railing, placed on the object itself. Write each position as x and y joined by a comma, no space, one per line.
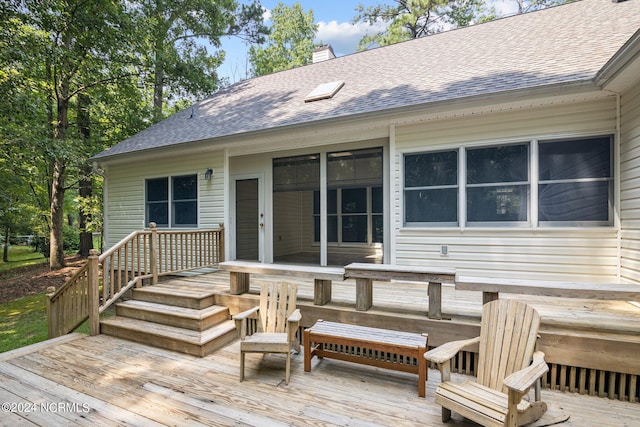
138,259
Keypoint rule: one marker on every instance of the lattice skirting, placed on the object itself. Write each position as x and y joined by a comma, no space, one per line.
592,382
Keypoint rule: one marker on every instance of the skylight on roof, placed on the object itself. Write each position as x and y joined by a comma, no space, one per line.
324,91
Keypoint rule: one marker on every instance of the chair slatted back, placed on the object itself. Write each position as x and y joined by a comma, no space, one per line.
508,335
277,302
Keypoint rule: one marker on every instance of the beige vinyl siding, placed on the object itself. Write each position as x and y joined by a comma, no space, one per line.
581,254
125,198
630,186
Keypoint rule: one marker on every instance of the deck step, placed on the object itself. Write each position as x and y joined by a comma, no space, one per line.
197,343
196,297
181,317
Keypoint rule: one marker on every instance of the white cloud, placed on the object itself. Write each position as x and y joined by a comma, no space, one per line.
344,36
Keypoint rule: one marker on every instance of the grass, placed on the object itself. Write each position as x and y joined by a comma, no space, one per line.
21,256
24,321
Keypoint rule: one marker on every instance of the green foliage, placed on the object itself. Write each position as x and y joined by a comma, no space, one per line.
290,43
406,20
171,35
412,19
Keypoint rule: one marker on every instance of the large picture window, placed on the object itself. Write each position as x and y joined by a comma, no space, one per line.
172,201
574,184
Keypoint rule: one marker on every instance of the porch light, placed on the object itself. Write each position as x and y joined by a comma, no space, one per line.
209,174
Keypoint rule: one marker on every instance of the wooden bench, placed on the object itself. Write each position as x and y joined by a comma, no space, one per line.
491,288
400,351
365,274
240,272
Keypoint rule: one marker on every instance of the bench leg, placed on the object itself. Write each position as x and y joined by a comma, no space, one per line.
321,291
364,294
307,351
422,372
238,283
435,300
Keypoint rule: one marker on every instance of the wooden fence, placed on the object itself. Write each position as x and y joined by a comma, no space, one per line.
140,258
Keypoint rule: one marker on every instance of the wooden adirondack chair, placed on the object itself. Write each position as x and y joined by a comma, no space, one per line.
507,368
278,321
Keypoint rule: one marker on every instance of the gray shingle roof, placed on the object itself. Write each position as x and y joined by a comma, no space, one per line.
561,45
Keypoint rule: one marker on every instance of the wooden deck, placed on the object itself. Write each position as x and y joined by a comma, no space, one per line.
94,381
101,380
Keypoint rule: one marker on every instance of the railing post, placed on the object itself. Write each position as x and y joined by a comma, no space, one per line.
221,244
153,253
93,277
51,316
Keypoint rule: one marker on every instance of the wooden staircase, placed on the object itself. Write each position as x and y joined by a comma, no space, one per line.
183,320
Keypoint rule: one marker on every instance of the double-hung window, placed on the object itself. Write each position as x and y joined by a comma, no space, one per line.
431,188
576,182
497,184
172,201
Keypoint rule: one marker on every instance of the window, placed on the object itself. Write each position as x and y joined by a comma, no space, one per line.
431,188
354,198
575,182
181,196
498,184
360,214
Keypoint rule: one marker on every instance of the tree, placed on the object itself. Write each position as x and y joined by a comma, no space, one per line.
522,6
411,19
179,62
81,45
290,42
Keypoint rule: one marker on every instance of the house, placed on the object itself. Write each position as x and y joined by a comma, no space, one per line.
509,148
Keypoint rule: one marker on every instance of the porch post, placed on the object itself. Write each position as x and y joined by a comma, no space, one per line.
93,277
153,253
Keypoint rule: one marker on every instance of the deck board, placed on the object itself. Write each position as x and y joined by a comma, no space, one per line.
598,316
125,383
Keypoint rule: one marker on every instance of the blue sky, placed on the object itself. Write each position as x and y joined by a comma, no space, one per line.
334,19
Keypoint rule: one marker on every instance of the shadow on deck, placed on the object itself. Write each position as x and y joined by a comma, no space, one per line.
102,380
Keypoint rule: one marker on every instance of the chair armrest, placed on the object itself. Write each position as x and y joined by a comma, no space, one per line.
523,379
246,313
240,321
447,351
293,323
295,317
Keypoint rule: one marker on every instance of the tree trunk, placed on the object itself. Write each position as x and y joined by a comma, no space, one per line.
85,189
56,240
5,253
158,85
86,237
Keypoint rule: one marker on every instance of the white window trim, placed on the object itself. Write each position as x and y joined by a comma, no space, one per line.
533,223
171,201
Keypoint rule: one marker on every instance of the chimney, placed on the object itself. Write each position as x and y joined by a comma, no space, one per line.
323,53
